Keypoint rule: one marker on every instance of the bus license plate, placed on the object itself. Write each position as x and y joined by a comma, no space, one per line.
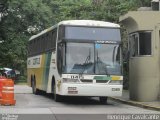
115,89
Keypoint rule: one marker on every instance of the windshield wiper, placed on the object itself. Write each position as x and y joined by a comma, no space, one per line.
87,62
103,65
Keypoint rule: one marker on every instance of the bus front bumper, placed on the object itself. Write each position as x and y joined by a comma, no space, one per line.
90,90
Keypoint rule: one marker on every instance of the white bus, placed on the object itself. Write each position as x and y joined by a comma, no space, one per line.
76,58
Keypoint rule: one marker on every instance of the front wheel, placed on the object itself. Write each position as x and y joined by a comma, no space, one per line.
57,97
103,100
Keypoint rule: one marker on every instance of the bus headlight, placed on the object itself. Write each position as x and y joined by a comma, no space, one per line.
116,82
67,80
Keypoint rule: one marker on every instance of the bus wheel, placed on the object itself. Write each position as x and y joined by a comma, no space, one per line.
103,100
57,97
34,89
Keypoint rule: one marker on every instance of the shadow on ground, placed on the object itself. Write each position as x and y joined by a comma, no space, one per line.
76,100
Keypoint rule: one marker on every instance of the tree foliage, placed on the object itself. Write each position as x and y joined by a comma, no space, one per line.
24,18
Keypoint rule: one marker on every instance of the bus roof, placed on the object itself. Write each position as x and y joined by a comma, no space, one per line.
79,23
88,23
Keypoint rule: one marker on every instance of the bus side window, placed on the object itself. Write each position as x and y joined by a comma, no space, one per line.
54,37
49,40
44,42
52,40
61,32
34,46
60,57
29,48
38,46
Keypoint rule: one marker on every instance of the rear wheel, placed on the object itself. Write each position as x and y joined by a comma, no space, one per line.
34,89
103,100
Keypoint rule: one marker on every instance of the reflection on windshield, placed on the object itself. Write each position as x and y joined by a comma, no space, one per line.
79,58
90,58
107,59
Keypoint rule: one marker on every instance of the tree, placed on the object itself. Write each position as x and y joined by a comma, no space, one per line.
24,18
20,16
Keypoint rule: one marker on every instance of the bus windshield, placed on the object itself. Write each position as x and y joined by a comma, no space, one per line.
92,58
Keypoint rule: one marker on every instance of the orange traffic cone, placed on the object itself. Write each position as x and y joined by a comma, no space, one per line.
1,85
7,93
0,90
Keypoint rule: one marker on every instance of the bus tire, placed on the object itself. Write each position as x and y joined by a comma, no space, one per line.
57,97
34,89
103,100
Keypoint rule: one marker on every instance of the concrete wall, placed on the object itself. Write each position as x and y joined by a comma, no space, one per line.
144,70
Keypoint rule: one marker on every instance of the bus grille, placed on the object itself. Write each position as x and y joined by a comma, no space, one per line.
101,81
86,81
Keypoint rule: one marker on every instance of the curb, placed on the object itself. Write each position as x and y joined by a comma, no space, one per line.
137,104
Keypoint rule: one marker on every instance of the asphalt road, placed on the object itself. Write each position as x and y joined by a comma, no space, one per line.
43,107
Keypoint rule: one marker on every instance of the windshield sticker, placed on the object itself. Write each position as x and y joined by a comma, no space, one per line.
98,46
